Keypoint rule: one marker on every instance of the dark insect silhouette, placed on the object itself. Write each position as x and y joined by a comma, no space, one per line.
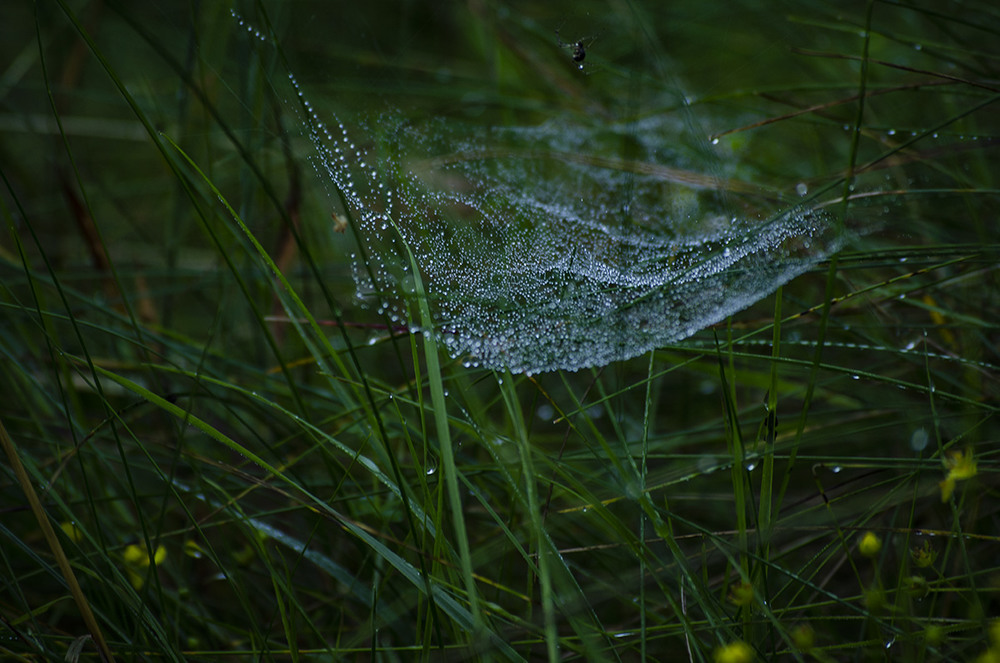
578,48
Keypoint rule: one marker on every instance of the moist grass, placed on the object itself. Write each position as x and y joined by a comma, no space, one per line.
213,452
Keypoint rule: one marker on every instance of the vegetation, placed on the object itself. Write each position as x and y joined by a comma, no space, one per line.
213,452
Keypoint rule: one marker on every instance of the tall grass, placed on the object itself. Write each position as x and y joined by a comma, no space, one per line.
211,452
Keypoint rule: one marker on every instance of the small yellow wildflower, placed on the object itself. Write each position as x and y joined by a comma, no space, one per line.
923,556
734,652
870,544
741,594
961,465
70,529
939,320
137,561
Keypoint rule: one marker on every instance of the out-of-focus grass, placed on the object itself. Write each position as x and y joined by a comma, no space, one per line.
234,476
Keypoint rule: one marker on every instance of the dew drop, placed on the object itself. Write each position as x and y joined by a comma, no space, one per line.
707,464
919,439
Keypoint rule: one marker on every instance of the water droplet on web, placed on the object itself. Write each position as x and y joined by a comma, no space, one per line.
919,439
707,464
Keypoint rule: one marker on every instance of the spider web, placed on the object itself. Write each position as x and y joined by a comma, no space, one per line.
539,252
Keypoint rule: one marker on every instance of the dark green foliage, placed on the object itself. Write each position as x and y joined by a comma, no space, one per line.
246,464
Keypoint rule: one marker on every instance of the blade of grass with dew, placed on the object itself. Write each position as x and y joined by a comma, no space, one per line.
297,308
534,510
450,469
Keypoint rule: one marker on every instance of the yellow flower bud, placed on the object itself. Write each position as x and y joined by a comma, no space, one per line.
917,585
741,594
870,544
734,652
72,531
804,638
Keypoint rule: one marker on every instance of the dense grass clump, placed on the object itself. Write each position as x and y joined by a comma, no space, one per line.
213,451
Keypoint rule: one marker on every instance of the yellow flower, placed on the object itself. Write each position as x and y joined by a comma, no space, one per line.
870,544
923,556
961,465
70,529
741,594
734,652
137,561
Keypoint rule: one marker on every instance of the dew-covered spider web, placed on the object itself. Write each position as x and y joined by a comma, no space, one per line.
561,246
